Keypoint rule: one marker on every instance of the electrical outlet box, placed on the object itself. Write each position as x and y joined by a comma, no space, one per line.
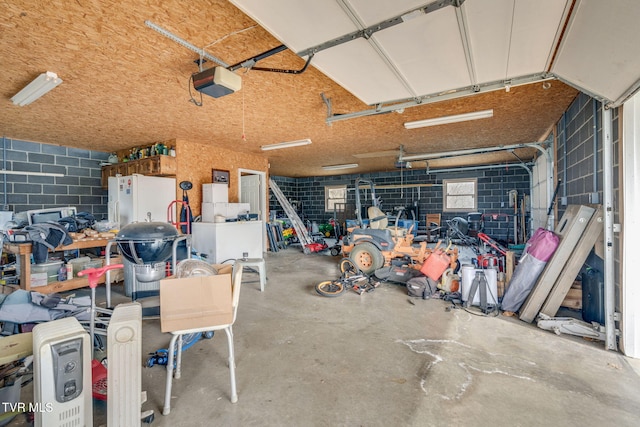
563,201
594,198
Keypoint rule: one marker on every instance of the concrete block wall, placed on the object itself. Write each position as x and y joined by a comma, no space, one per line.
80,185
289,187
493,200
579,152
580,166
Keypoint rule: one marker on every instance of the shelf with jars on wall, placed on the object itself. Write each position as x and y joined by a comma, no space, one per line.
155,160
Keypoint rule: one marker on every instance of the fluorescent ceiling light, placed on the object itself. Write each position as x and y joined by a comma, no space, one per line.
449,119
286,144
338,167
34,90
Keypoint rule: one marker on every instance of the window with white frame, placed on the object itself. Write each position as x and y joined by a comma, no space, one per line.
335,197
460,195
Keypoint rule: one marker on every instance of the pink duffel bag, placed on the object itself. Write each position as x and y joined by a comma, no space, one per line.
542,244
538,250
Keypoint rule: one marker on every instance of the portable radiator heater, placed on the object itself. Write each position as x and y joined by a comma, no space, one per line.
124,355
62,374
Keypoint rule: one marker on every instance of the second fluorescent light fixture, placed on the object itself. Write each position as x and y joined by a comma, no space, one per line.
34,90
338,167
485,114
286,144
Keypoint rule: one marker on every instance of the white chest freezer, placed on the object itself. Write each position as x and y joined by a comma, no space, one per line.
228,240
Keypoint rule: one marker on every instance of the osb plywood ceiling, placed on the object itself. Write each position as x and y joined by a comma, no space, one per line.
125,85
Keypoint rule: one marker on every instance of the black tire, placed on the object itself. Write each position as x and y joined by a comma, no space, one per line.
335,251
330,288
348,268
149,418
367,257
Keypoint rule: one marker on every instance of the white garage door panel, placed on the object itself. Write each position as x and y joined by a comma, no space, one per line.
630,255
535,26
605,63
511,38
372,12
599,52
488,27
434,58
299,24
361,71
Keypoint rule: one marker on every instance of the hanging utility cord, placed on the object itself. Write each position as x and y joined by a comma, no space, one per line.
244,136
229,35
192,99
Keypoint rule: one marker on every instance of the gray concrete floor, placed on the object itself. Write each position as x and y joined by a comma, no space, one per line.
380,359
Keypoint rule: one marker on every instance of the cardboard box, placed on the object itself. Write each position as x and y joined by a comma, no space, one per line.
195,302
213,193
223,268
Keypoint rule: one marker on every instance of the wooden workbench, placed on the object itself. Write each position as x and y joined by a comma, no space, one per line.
23,250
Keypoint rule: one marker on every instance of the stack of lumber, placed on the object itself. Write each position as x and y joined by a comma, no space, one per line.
579,229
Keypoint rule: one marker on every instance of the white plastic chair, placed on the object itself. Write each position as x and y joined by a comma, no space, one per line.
236,283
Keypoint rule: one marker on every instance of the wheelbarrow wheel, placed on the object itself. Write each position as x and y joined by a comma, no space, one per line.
367,257
330,288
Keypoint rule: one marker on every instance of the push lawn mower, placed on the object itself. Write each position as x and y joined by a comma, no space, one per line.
458,232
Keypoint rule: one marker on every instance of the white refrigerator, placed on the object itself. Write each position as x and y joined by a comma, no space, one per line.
138,198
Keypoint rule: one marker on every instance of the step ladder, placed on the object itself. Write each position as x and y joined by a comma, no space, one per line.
301,230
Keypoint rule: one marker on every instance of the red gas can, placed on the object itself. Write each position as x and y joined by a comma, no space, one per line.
435,264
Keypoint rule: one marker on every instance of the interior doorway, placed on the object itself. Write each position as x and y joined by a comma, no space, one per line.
253,190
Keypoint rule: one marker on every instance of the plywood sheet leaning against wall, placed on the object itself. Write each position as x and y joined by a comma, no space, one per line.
571,269
570,229
196,160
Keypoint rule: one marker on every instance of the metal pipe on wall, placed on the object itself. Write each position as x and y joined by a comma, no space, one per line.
549,159
440,155
471,168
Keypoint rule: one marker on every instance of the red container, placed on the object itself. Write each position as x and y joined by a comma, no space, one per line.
435,264
99,380
487,261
